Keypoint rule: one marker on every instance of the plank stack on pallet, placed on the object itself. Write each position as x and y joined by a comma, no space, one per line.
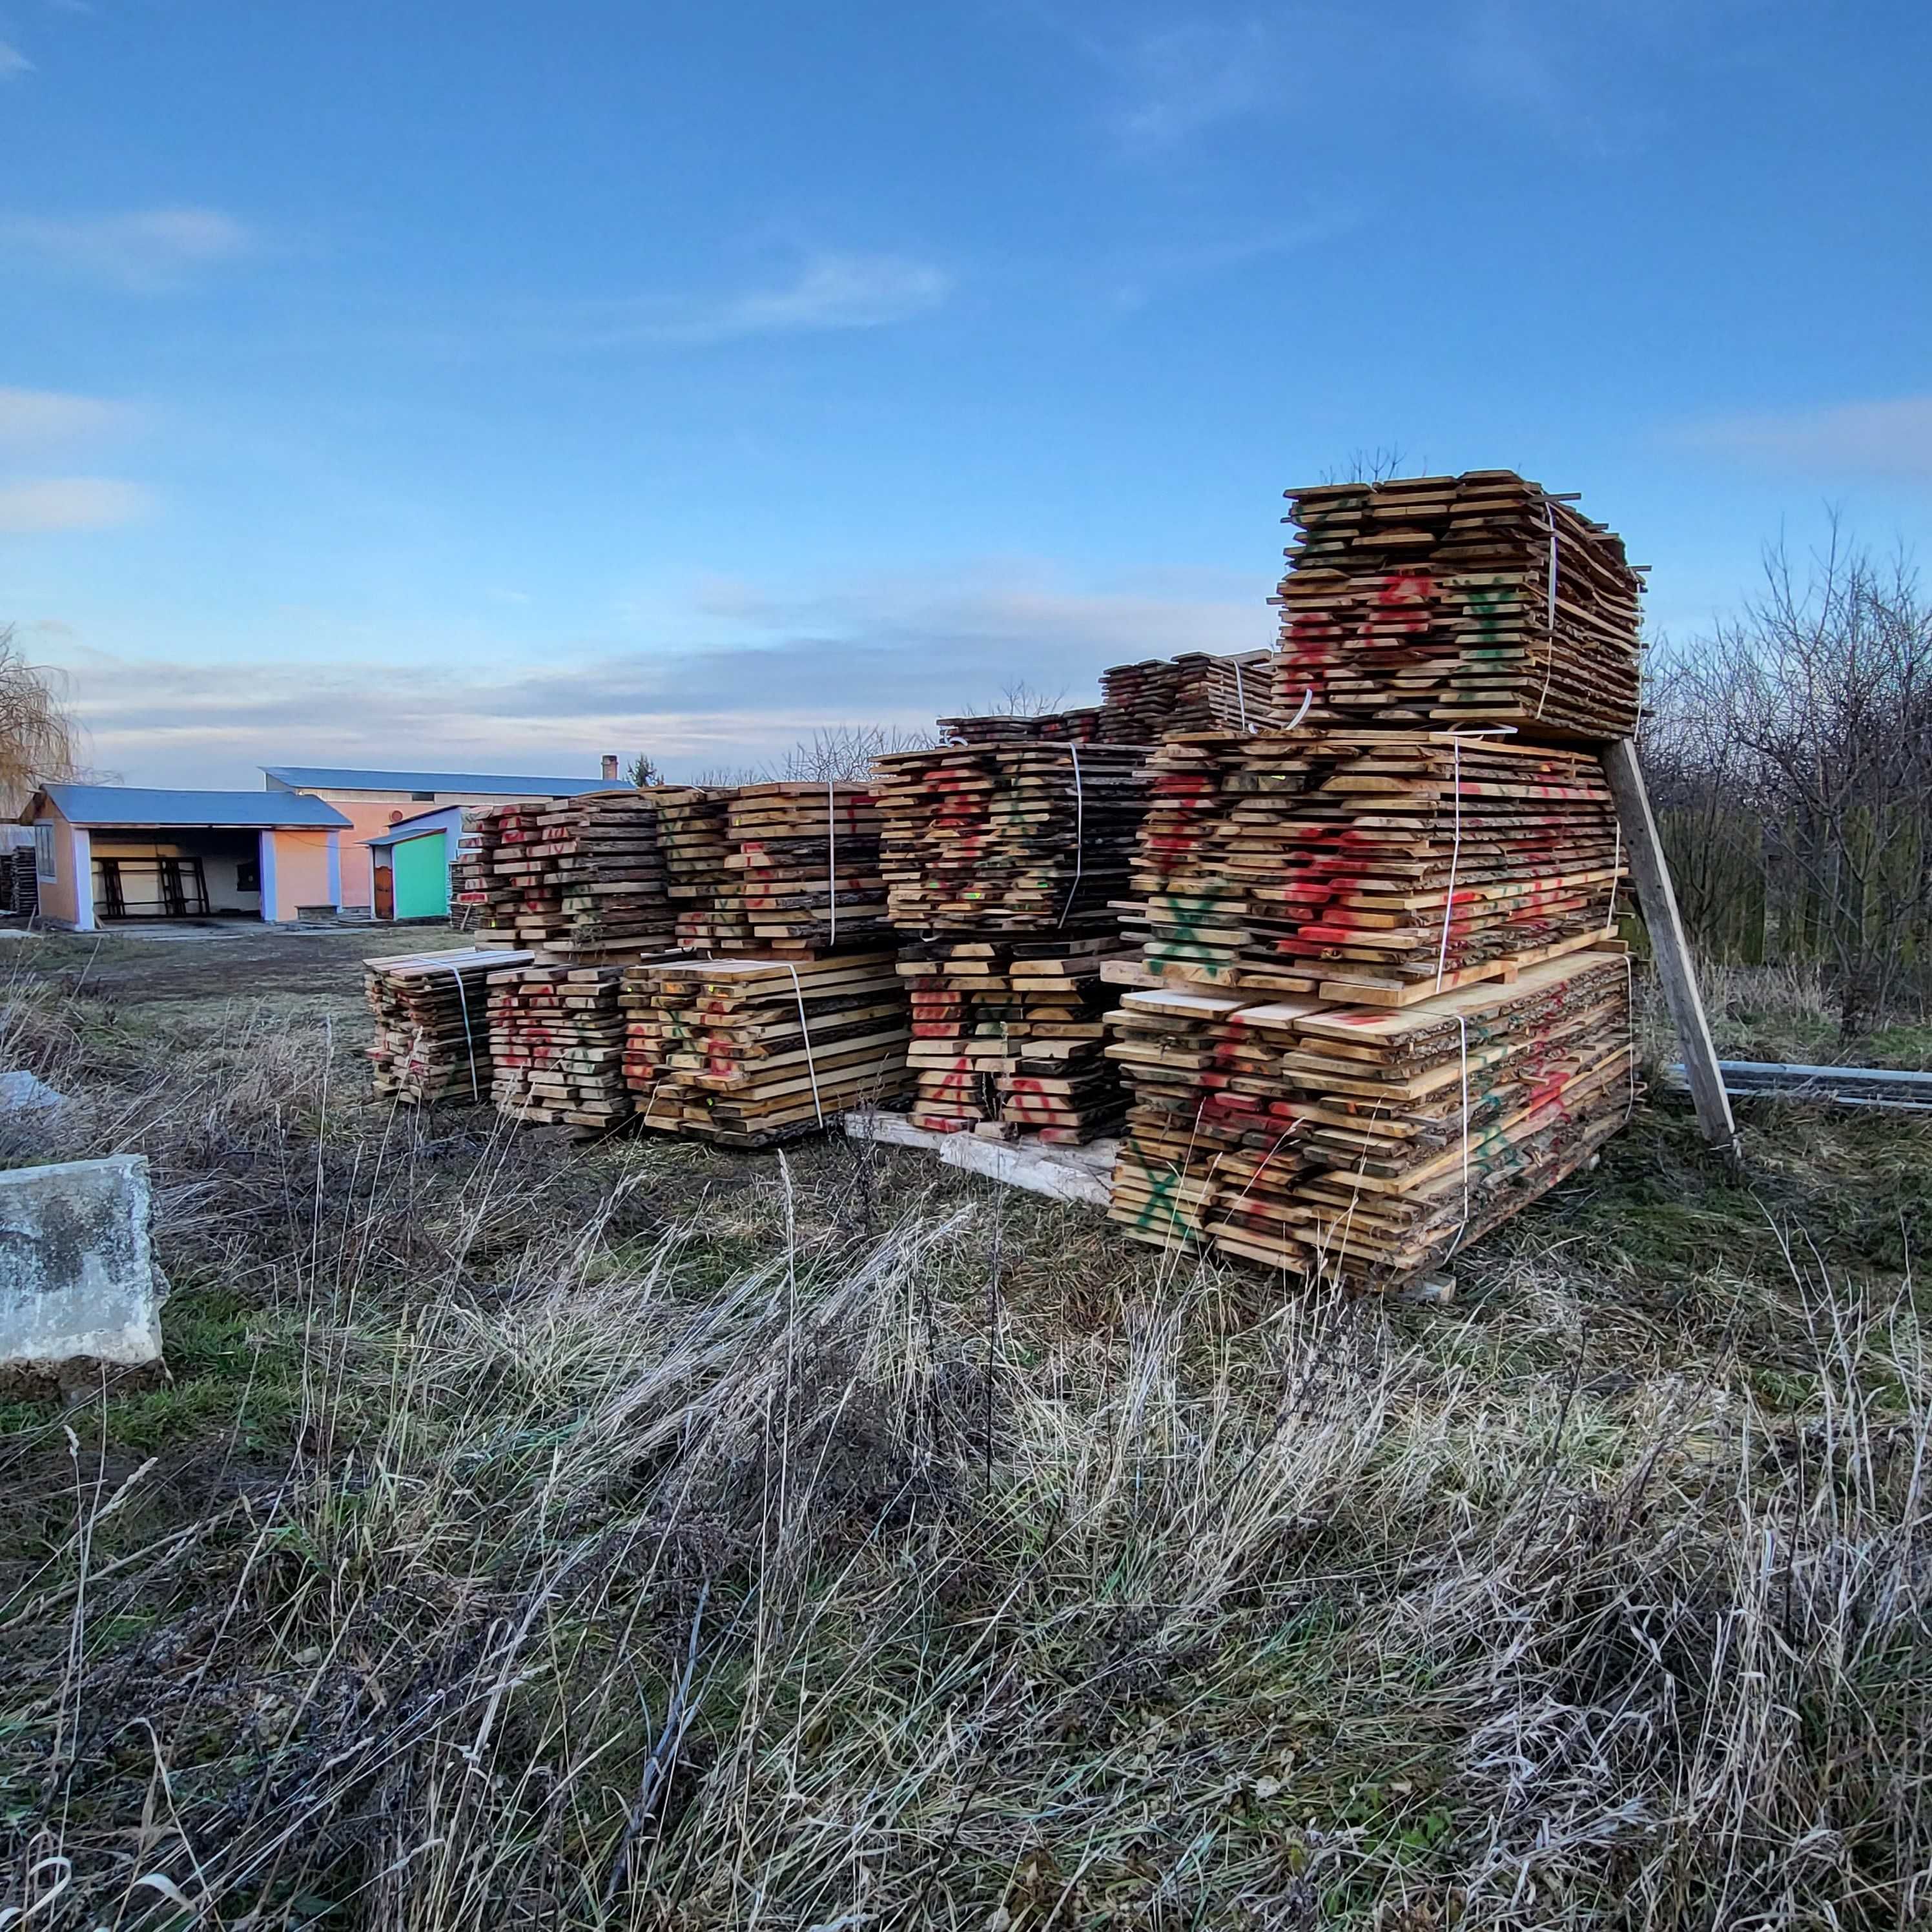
1003,858
1361,1144
579,878
1326,861
798,874
747,1052
1472,600
556,1046
1145,702
1010,1036
691,833
432,1012
1028,838
1241,693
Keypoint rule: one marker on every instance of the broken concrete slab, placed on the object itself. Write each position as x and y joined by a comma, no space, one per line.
78,1282
24,1093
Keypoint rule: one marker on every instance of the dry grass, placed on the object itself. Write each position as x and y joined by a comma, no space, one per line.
648,1538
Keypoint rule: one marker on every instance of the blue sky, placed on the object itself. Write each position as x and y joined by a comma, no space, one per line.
467,385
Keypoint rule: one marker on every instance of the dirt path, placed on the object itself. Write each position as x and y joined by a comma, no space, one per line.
234,962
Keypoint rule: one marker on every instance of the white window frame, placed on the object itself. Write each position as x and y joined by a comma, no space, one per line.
46,854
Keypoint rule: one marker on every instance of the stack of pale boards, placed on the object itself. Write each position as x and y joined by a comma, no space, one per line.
789,868
432,1012
746,1052
1477,600
1009,1036
1365,1144
579,878
556,1047
1373,866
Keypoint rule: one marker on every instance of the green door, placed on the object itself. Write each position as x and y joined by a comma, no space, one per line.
422,877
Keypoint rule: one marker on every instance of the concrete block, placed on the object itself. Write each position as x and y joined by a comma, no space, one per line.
77,1277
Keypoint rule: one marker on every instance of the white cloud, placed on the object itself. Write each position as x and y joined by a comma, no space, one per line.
831,292
149,250
1180,80
1888,438
895,649
13,62
69,503
46,415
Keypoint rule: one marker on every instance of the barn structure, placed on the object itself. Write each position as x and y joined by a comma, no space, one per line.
372,802
107,853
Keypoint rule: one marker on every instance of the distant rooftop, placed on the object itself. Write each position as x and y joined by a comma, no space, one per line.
332,777
145,805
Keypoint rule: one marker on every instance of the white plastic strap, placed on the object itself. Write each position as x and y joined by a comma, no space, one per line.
1629,1027
1079,834
1616,866
804,1028
1307,699
469,1037
832,854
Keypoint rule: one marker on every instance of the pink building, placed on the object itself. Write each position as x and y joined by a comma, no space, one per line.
105,853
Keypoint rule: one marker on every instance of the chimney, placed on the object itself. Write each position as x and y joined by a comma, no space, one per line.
610,764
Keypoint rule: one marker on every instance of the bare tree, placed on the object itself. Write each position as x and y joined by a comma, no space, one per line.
843,753
40,741
1802,731
1378,465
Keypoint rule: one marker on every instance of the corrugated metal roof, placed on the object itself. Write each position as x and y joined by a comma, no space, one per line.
420,824
331,778
143,804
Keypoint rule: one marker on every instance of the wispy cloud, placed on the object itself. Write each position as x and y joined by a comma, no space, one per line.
69,503
13,62
893,650
1891,438
149,250
46,416
1178,81
828,292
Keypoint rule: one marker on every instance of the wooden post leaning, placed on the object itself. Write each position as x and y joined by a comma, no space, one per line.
1657,902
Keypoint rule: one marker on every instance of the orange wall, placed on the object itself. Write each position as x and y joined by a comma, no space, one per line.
60,900
301,873
366,817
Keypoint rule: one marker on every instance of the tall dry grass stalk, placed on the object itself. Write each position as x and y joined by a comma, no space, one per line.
753,1559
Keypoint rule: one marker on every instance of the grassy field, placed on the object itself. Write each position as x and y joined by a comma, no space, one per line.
643,1537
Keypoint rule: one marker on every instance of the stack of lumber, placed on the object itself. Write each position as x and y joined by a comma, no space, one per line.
1080,726
1472,600
1367,1144
1146,701
1022,837
556,1046
748,1052
432,1012
1241,693
577,878
1009,1037
1374,866
798,874
691,833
